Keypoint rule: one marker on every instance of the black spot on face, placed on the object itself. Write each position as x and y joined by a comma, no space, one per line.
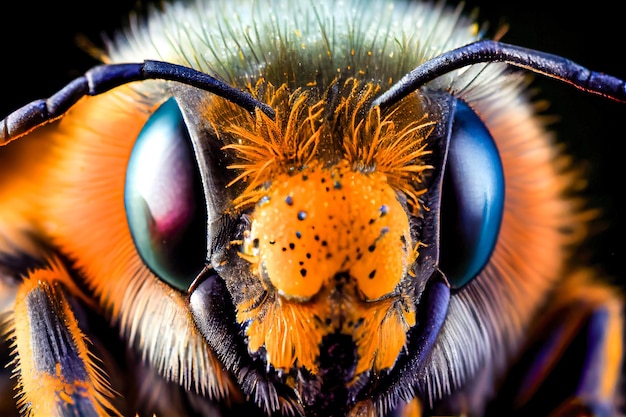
341,277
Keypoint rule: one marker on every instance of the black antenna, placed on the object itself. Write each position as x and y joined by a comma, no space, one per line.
106,77
552,66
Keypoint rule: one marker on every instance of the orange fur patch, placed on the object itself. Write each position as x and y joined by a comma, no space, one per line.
41,392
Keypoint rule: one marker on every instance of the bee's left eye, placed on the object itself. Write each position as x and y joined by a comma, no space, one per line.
473,198
165,205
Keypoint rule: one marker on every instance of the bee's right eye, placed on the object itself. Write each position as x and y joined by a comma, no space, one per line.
165,204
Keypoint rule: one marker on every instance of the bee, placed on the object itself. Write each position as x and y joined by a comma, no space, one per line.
296,207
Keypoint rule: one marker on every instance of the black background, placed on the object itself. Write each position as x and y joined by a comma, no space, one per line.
39,55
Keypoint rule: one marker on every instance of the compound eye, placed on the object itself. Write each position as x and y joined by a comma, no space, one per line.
165,204
472,203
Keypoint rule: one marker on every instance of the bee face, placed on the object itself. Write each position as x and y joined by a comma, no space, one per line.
337,254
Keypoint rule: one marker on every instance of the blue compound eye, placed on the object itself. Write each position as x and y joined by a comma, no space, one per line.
165,204
472,203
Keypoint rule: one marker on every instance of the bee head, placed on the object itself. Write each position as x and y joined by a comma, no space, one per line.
296,217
